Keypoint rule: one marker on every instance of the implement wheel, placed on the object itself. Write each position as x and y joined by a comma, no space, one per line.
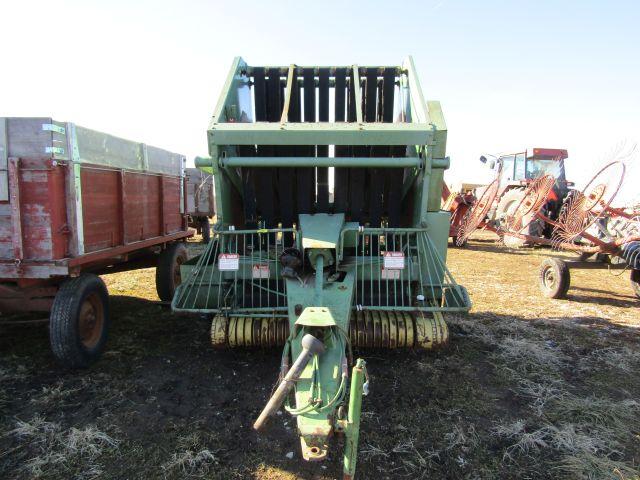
554,278
635,282
79,321
168,276
205,228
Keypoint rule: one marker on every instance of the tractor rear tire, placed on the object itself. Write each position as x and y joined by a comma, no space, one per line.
554,279
79,321
168,276
509,201
506,205
635,282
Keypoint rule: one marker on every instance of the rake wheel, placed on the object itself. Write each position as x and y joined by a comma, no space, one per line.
533,199
583,209
476,213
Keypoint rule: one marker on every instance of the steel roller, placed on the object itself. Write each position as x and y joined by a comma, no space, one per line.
377,329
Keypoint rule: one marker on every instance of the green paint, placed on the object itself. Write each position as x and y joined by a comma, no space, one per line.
342,270
352,425
340,162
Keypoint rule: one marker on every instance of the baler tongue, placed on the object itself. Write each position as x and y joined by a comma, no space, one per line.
329,236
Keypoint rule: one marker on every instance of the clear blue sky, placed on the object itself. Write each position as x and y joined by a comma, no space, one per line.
509,74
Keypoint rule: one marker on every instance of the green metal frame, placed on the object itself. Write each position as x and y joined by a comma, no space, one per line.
320,304
232,125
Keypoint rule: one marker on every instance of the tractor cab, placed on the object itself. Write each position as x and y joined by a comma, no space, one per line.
519,169
522,168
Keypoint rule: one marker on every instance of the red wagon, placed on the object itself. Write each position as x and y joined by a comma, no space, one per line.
76,203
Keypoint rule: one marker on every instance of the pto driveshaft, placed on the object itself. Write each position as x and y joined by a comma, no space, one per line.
310,346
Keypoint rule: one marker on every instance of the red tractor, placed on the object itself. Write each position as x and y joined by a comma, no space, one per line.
490,205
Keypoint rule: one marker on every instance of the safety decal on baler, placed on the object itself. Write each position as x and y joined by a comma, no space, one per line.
229,261
260,270
390,274
393,260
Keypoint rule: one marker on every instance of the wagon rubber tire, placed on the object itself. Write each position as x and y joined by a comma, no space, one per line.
206,229
168,270
554,279
79,321
635,282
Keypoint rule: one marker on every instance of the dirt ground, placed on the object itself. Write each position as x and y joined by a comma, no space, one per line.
529,388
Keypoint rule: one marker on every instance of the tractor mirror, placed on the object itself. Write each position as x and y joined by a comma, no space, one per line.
483,159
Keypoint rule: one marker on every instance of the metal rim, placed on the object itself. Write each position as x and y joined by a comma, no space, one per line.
595,195
91,320
549,277
177,276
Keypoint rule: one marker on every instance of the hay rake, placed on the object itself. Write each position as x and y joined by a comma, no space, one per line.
582,228
477,213
517,220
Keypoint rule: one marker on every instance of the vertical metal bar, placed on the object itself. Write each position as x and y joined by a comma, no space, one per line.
253,262
419,264
75,189
269,268
409,266
371,276
260,279
235,273
402,271
213,269
379,268
446,273
431,275
395,281
223,241
268,278
161,227
244,258
352,430
362,277
16,208
386,280
319,280
356,279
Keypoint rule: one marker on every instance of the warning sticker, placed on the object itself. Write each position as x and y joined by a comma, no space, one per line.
390,274
229,261
261,270
394,260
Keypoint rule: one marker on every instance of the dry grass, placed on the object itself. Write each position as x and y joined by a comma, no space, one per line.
47,447
529,388
192,458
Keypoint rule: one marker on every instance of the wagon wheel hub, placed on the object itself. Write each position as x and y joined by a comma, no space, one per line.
177,277
91,320
549,278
